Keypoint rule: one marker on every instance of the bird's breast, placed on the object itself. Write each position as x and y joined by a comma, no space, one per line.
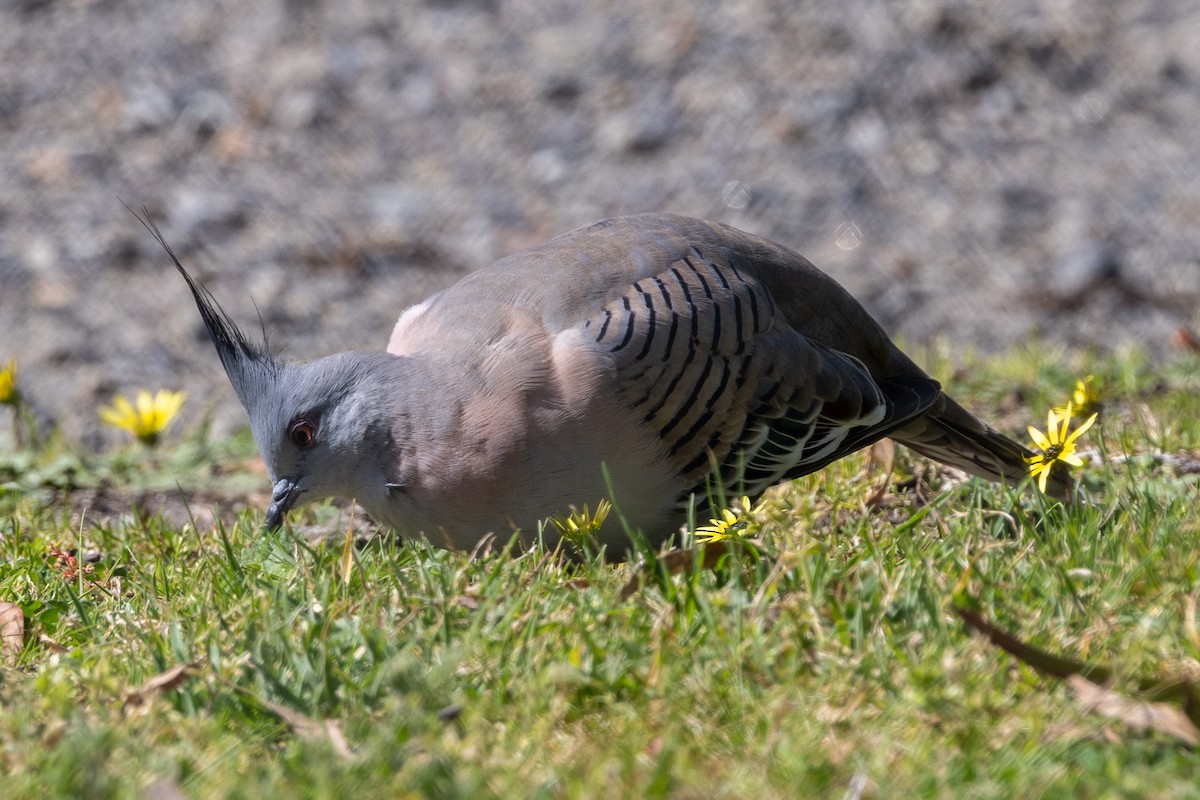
537,427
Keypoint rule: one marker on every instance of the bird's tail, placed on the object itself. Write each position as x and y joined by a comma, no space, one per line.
952,435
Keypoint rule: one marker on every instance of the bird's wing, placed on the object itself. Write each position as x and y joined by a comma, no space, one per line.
706,363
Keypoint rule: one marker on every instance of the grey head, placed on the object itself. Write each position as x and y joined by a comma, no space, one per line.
324,428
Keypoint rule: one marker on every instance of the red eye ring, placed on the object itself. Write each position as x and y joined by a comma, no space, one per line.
302,434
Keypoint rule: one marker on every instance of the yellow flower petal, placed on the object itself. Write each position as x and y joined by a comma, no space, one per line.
1043,476
1052,424
145,406
1066,424
8,383
148,418
1080,430
120,414
1039,439
1085,396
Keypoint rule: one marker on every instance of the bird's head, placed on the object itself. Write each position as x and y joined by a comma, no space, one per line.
322,427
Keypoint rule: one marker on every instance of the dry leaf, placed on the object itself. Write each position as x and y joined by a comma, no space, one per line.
1040,660
1189,621
679,559
53,733
468,601
1139,715
12,630
1186,340
310,729
348,550
164,789
305,727
163,682
53,645
1154,690
881,455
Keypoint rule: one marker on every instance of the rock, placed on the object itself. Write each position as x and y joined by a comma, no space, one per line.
354,157
146,107
1082,270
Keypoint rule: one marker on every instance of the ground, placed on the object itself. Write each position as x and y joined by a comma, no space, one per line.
981,173
1011,188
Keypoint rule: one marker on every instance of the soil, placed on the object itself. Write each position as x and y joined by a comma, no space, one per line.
981,173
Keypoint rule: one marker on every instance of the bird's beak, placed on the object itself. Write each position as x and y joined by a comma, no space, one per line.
283,497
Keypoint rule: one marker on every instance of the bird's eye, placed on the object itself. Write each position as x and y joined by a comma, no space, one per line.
302,434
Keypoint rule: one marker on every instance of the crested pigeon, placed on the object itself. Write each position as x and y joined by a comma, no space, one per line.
639,358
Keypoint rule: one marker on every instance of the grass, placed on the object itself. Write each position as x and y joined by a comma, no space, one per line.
831,666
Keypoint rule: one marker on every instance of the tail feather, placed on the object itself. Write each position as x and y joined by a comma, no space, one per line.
952,435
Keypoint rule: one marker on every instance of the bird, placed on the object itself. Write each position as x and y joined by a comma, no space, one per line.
646,360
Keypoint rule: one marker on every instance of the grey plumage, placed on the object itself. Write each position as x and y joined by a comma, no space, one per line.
656,346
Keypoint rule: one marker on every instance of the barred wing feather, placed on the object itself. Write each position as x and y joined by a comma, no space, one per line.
703,359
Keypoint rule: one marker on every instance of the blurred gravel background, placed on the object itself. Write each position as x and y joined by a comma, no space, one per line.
986,171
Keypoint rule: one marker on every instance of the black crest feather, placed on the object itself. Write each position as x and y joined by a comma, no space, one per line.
233,346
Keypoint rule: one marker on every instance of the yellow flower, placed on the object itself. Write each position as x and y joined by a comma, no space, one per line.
150,416
8,384
1056,444
582,525
1085,399
731,525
